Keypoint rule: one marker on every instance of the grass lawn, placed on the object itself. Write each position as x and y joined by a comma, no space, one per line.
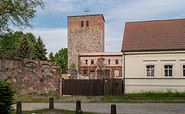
55,111
143,97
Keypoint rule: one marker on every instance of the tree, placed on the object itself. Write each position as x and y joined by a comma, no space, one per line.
24,49
6,97
17,12
9,43
61,59
40,50
32,42
51,57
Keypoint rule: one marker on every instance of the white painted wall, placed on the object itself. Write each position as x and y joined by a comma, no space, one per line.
158,85
135,67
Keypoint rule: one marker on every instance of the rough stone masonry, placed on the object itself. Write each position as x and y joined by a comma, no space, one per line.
29,76
85,35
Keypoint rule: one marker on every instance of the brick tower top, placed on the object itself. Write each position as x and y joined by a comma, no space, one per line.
83,21
85,34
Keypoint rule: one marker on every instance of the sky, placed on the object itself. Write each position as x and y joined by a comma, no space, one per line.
51,22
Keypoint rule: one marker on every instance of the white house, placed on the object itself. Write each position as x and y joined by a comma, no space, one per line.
154,55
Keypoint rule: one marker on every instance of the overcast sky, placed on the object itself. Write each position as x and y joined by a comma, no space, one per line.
51,23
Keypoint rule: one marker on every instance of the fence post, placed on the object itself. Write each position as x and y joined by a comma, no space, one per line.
113,109
19,108
51,103
61,79
78,106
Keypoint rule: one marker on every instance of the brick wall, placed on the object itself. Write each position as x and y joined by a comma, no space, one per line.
100,65
30,76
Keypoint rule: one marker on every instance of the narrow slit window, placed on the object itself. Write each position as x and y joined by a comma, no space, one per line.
109,61
86,62
92,62
87,23
116,62
82,23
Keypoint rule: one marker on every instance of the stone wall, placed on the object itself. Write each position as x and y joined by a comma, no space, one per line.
29,76
84,38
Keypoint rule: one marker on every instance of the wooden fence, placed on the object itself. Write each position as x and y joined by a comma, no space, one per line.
92,87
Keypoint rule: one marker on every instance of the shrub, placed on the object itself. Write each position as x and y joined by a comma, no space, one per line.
6,97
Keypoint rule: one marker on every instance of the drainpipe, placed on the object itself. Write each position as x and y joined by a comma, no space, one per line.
123,72
79,64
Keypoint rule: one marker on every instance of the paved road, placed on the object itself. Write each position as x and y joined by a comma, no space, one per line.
122,108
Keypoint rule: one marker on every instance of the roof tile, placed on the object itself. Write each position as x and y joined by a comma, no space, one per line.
154,35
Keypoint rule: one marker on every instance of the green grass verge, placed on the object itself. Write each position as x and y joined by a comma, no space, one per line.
143,97
47,111
147,97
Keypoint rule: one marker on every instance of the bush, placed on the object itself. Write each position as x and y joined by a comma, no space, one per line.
6,97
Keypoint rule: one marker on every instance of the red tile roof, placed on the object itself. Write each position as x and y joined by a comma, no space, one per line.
154,35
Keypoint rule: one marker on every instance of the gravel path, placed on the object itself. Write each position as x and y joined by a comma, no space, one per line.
122,108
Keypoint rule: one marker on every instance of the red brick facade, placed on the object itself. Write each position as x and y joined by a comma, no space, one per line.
100,65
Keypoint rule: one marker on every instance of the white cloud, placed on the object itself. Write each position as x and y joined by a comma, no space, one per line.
137,10
146,9
54,38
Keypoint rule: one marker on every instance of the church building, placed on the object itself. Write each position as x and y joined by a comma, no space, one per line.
86,49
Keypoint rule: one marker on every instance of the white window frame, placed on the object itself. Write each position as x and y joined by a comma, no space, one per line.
183,70
150,70
168,69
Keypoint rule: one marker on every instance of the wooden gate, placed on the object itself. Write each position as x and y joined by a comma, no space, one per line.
97,87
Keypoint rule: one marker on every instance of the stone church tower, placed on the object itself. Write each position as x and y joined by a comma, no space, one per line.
85,35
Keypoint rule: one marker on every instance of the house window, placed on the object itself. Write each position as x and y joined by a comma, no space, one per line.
109,61
87,23
168,70
150,70
183,70
82,23
116,62
86,62
92,62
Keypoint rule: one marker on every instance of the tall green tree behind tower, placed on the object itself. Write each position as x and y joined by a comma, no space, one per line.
61,59
40,50
32,42
51,57
24,49
9,43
